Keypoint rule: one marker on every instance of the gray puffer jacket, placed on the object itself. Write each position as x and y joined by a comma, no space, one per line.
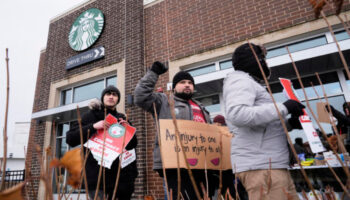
144,98
252,117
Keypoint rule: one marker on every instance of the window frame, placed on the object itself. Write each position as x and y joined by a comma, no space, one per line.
72,87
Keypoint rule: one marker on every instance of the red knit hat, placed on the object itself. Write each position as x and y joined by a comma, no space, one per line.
220,119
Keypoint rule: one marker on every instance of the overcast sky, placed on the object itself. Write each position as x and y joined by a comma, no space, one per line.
24,30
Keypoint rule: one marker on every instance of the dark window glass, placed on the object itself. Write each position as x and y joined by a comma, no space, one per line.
66,97
342,35
88,91
202,70
211,103
226,64
111,81
314,42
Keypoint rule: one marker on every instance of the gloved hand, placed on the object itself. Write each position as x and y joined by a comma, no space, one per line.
295,123
159,68
326,106
294,107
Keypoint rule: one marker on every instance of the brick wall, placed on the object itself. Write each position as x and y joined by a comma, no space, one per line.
53,61
197,26
193,27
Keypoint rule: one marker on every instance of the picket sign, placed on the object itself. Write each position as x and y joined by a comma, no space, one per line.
112,145
305,120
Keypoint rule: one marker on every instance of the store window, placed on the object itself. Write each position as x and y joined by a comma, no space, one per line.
211,103
203,70
341,35
225,64
297,46
87,91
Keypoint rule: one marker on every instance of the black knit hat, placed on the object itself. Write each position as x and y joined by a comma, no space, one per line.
243,59
110,88
182,75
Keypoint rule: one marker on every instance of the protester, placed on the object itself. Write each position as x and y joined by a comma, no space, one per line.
92,121
185,108
259,136
343,124
228,178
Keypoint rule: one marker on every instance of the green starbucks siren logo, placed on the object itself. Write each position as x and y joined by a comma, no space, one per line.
86,29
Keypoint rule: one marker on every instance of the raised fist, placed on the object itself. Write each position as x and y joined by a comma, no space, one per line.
159,68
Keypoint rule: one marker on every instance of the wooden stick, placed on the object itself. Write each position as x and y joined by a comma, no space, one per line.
324,135
87,152
160,149
172,107
220,171
43,175
102,157
269,177
120,161
2,186
341,146
206,177
340,143
345,25
82,152
338,47
172,111
282,121
338,179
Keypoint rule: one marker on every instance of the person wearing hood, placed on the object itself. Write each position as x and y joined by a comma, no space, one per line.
186,108
92,121
259,136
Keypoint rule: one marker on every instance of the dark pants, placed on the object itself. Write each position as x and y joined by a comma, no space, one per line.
228,182
187,189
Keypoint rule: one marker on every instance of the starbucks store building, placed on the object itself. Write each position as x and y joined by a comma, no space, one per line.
105,42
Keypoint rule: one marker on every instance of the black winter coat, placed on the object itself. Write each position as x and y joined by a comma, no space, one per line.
127,174
343,121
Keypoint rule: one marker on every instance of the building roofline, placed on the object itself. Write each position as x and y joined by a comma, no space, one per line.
71,10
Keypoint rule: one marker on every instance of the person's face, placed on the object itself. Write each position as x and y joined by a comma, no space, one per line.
347,113
110,99
184,86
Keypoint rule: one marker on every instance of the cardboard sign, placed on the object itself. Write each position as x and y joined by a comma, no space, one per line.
323,115
113,143
311,134
201,144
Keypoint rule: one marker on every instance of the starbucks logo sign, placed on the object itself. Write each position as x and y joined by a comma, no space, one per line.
86,29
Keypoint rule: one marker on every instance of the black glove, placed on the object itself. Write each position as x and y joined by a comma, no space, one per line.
294,107
159,68
294,123
326,106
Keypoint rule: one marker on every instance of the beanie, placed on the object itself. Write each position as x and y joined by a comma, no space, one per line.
243,59
220,119
110,88
182,75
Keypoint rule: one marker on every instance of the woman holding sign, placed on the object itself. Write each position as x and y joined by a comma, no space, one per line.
93,124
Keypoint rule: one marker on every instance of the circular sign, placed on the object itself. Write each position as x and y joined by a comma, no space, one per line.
86,29
116,130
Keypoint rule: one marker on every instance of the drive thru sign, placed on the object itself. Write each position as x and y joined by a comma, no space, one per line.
311,134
